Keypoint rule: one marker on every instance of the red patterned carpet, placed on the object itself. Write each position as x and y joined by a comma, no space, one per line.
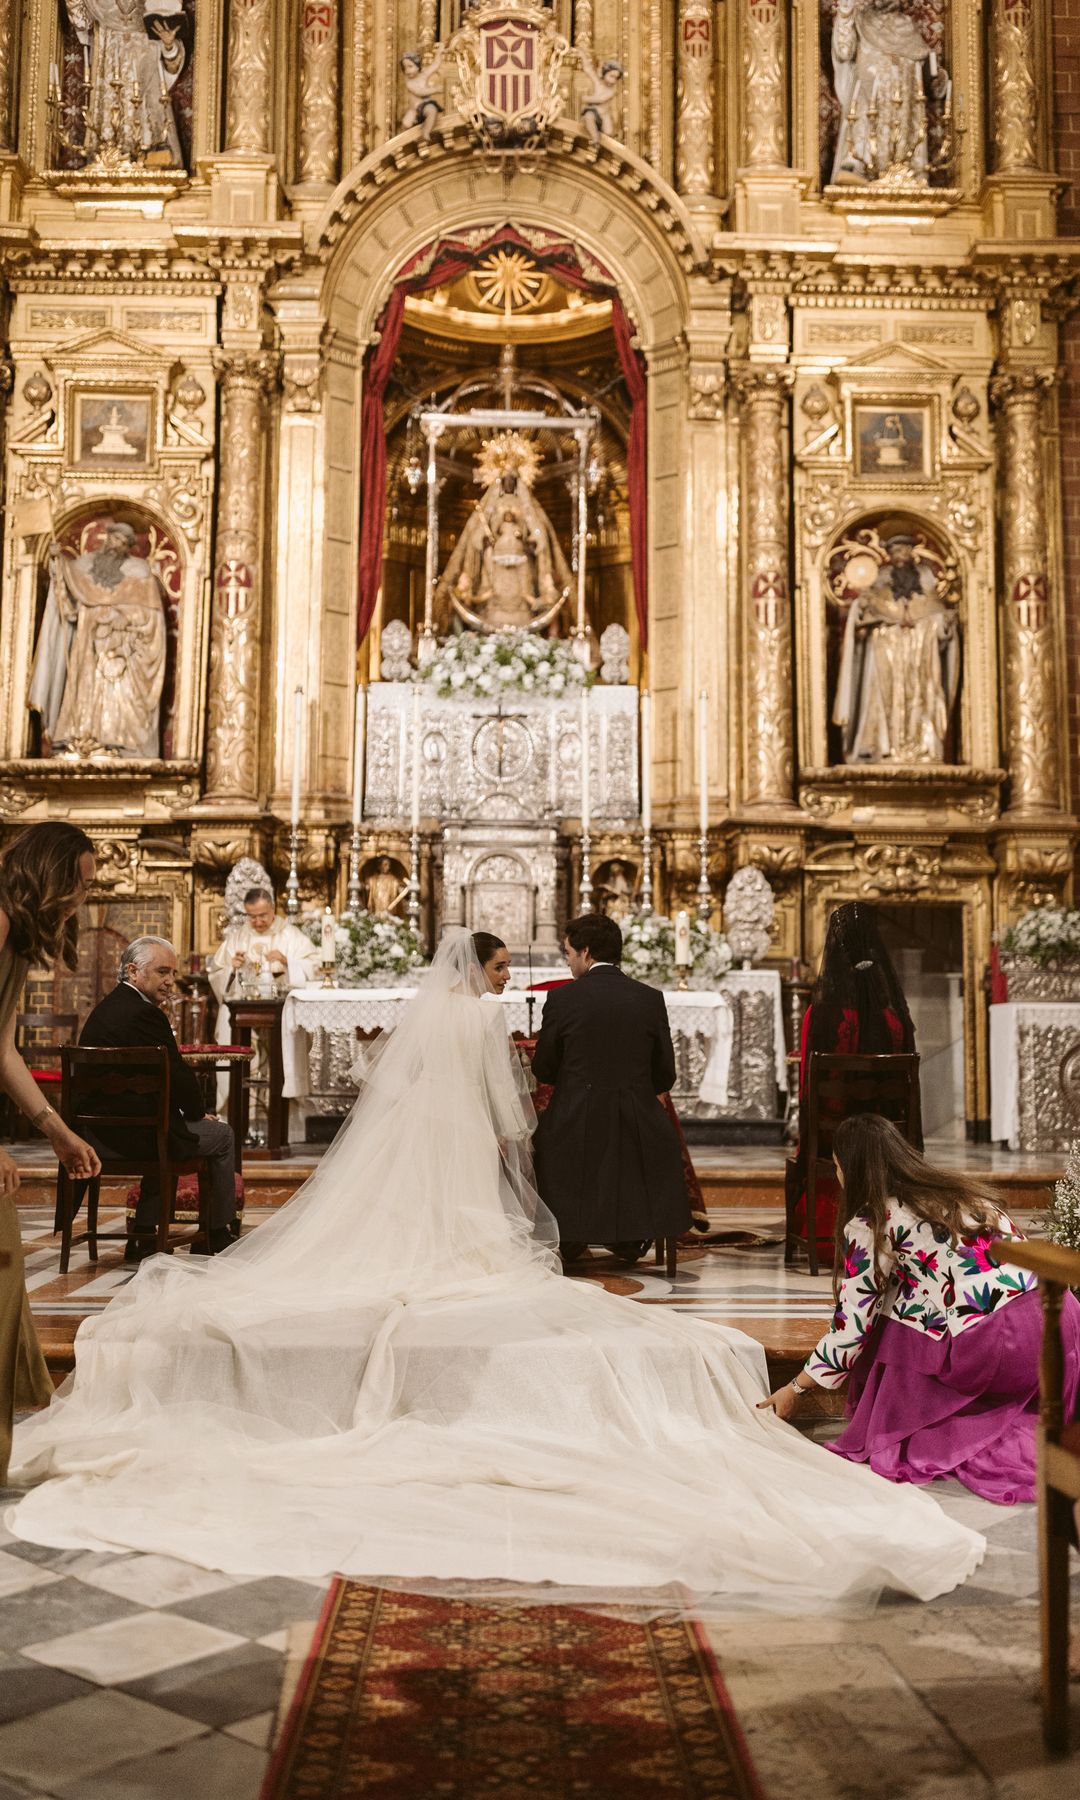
404,1696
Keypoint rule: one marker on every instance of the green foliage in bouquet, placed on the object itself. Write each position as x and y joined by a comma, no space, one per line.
649,951
373,950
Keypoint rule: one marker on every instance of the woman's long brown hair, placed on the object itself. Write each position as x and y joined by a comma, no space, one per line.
880,1165
41,890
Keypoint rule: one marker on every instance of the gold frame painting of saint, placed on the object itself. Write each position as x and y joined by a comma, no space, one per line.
892,441
113,429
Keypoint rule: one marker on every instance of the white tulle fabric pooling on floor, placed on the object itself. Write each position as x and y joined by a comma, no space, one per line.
392,1379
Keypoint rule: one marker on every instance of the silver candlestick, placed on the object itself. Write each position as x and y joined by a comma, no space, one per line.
645,902
353,905
412,904
585,891
292,886
704,891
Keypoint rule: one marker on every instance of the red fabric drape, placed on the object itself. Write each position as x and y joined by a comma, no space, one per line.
433,267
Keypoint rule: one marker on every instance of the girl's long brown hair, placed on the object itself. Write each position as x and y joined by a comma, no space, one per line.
880,1165
41,890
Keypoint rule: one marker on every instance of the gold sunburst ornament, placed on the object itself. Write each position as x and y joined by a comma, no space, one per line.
508,281
507,453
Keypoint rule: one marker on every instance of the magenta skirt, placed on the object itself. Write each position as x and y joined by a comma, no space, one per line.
922,1408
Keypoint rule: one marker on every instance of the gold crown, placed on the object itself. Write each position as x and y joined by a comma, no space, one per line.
507,453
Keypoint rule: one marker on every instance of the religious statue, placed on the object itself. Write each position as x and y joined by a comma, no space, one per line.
99,668
900,664
134,54
421,83
507,571
885,74
616,888
597,105
385,888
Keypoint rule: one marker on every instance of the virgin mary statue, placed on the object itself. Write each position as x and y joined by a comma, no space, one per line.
507,571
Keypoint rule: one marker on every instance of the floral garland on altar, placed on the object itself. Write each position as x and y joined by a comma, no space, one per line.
371,950
483,666
649,951
1045,934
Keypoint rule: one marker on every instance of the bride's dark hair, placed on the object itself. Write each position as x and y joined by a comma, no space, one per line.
486,946
857,976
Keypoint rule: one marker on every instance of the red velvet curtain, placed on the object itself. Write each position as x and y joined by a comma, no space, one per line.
431,268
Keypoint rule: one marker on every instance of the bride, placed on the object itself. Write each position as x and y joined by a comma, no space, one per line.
391,1379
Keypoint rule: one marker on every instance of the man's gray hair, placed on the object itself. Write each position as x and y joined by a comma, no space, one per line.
139,952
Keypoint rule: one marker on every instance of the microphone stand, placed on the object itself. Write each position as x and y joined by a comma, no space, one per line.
530,997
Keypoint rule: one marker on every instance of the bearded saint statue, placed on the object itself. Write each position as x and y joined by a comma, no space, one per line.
884,75
900,665
507,571
99,667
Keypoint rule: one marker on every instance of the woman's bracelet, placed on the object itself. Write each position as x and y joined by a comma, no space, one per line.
795,1384
39,1117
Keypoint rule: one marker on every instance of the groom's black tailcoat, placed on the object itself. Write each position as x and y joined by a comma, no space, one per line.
608,1159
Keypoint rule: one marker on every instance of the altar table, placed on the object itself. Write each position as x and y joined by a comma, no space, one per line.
1035,1074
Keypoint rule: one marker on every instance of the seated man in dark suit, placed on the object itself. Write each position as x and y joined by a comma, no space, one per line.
130,1016
608,1159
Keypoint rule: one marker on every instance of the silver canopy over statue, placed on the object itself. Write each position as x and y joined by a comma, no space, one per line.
884,74
99,668
900,663
507,571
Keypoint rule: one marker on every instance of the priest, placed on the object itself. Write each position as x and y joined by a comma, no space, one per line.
267,946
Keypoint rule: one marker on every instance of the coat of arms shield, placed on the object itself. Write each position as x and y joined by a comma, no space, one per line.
509,55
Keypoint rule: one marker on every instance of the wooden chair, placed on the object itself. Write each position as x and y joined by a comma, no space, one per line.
40,1058
836,1087
1058,1479
105,1073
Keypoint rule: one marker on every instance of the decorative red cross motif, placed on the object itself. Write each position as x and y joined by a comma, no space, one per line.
768,594
1030,600
509,69
234,584
696,37
318,21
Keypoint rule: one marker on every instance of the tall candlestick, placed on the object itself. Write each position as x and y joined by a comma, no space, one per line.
585,762
646,761
703,762
298,732
359,732
415,812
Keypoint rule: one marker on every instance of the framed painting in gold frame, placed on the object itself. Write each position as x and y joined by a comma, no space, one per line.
892,441
113,429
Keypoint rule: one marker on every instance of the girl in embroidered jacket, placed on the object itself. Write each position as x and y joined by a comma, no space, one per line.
857,1009
938,1346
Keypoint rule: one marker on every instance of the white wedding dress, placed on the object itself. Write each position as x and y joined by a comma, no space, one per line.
392,1379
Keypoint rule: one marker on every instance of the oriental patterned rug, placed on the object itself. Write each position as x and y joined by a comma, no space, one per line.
405,1696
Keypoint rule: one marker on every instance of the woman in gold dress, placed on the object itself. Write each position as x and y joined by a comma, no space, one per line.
44,876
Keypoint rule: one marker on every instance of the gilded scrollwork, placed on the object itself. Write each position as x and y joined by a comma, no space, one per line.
706,393
695,158
764,100
763,393
247,120
233,710
319,109
898,869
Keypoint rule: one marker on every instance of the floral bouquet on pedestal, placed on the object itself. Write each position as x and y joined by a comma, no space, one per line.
649,952
372,950
1040,954
479,666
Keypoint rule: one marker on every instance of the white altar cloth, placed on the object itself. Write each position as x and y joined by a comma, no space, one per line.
311,1009
1005,1022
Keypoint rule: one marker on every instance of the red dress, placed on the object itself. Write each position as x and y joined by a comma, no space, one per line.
847,1044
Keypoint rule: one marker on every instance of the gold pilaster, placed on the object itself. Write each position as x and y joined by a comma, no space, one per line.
764,63
695,159
1033,739
8,50
429,26
232,772
583,26
319,110
1014,87
247,123
768,764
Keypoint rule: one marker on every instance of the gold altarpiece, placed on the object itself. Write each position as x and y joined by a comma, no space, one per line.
776,310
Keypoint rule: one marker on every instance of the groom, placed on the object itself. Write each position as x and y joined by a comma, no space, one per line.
608,1160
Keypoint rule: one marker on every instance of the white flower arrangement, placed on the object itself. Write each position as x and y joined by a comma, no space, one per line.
649,951
1045,934
481,666
1061,1220
372,950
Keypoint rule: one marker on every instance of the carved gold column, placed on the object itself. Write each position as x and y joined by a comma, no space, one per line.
583,26
247,122
429,26
1032,731
232,772
695,159
8,48
768,766
319,110
1015,90
764,84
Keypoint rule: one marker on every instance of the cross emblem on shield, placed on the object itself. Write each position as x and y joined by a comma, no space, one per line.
509,65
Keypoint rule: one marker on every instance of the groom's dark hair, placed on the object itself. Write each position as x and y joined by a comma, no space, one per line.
600,935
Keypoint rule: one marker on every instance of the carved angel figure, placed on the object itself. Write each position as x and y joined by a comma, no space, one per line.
421,82
598,104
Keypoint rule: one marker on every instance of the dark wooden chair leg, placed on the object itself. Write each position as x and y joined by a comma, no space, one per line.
64,1187
93,1195
206,1195
811,1219
1054,1547
167,1203
659,1251
672,1248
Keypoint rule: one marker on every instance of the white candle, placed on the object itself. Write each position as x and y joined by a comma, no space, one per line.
682,940
584,761
414,816
646,761
329,941
298,732
703,763
359,731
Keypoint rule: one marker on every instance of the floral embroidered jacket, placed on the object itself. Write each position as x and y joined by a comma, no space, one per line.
922,1283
